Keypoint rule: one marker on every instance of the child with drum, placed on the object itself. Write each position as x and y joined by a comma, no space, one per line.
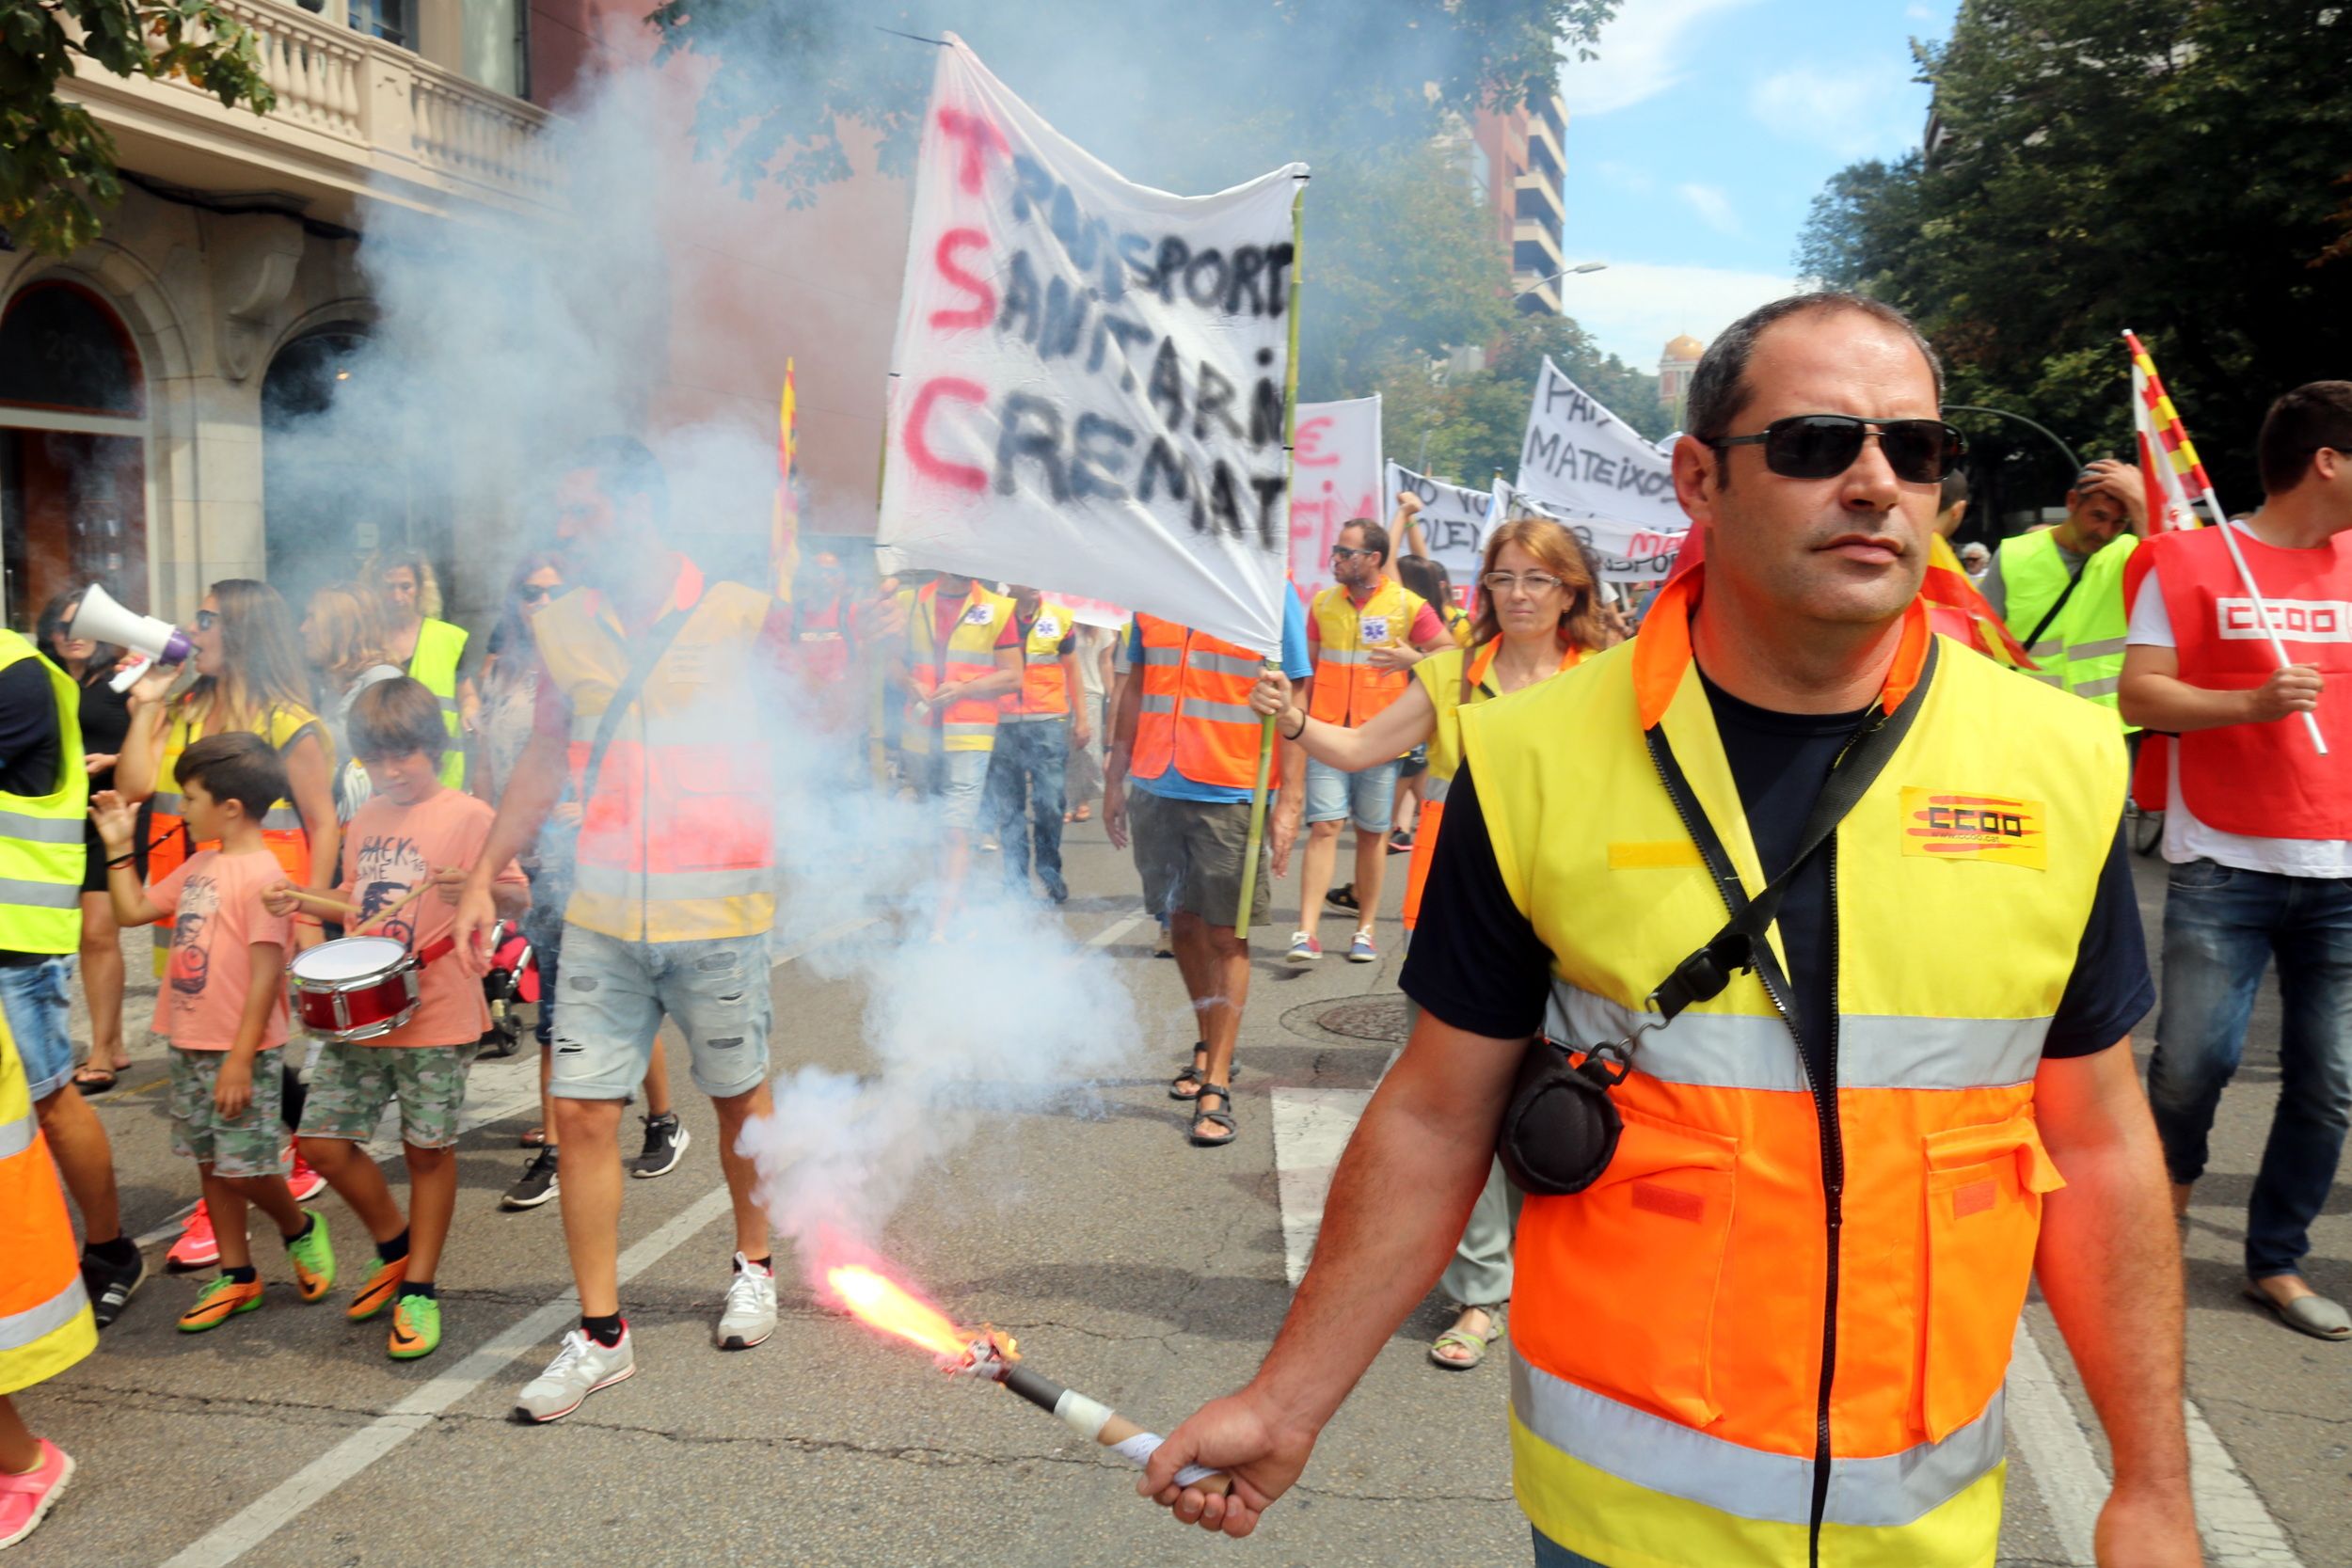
222,1008
401,1019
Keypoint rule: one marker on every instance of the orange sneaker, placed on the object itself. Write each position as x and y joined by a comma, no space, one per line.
219,1301
380,1291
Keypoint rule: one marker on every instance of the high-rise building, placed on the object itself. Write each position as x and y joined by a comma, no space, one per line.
1517,161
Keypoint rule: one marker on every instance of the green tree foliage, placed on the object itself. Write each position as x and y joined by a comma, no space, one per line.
1473,422
2181,167
1400,258
56,163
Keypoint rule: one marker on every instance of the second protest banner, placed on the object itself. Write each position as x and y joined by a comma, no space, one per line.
1335,480
1589,469
1088,381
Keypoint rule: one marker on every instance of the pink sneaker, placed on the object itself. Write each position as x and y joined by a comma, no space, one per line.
25,1500
306,1182
197,1247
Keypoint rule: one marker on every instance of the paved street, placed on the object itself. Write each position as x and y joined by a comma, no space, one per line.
1131,1265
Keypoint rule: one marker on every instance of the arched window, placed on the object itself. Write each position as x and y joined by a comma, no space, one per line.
72,449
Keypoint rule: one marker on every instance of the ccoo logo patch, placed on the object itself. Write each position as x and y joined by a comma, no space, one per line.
1944,824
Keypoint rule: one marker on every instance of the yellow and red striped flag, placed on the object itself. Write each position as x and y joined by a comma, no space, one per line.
783,527
2175,479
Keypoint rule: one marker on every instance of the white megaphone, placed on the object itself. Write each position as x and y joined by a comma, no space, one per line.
101,620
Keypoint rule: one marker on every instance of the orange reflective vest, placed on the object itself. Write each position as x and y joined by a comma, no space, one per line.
1779,1323
1045,690
969,723
1441,676
1196,707
1349,688
281,825
677,833
45,1323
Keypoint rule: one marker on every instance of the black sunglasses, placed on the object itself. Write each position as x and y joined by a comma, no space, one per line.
1822,446
1348,552
531,593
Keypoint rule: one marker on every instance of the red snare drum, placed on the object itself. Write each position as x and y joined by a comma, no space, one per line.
353,988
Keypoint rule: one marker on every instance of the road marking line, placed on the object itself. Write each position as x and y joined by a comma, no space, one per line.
1311,1128
285,1502
1116,929
2238,1530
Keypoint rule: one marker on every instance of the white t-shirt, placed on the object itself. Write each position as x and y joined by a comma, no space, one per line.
2188,839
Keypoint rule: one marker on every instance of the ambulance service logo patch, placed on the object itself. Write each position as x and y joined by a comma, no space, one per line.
1951,825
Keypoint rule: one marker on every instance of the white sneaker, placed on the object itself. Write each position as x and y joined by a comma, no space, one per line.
578,1369
750,1313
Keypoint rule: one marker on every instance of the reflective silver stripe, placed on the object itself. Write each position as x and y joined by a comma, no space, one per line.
283,817
17,1137
1433,790
170,802
19,1329
40,830
1667,1457
2048,677
1328,654
1154,654
1875,1050
607,881
1221,713
41,896
2105,647
2049,647
2104,687
1227,664
1159,701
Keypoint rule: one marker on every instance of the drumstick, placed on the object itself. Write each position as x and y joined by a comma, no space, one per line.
390,909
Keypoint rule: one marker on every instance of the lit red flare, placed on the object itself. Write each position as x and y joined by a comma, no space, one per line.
884,1304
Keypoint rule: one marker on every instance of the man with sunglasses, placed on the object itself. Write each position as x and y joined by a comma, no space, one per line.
2061,589
1763,1316
2258,828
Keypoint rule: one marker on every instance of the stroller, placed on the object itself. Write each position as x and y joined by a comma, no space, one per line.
513,980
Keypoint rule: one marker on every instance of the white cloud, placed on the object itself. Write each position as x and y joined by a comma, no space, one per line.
1634,308
1712,206
1643,51
1855,111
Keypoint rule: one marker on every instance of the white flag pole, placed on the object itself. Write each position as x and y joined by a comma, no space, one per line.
2253,591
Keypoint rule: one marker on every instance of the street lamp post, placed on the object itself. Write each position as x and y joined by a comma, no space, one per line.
2074,464
1565,272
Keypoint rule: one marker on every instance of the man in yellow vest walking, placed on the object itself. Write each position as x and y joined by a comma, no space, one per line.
961,654
1786,1196
1365,633
2061,589
431,649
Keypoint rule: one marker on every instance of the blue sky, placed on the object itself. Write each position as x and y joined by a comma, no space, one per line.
1698,139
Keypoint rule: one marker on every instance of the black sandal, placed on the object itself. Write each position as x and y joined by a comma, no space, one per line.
1222,1118
1196,1074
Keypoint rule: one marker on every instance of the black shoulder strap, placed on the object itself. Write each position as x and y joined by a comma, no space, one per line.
2074,581
1740,944
650,648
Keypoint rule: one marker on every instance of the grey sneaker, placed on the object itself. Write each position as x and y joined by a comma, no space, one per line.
665,1144
750,1314
578,1369
537,1185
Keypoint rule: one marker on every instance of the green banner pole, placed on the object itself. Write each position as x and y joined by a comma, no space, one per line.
1290,422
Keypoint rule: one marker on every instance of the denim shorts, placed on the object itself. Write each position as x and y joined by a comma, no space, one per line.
1368,799
955,780
38,1001
615,994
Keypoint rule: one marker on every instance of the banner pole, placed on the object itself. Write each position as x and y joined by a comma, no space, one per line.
1290,472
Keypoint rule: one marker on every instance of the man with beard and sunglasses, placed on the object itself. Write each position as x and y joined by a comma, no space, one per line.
1771,1266
2061,589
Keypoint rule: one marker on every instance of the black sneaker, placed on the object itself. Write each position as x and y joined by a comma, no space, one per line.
1341,897
111,1285
665,1144
537,1184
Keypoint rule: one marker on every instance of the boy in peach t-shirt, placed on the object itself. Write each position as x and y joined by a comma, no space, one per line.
412,832
222,1007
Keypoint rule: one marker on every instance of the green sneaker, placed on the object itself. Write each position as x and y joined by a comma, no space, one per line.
221,1299
313,1258
416,1328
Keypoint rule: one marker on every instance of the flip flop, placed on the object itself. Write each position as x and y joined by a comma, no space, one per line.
2316,1316
1221,1118
535,1137
93,1080
1473,1345
1084,814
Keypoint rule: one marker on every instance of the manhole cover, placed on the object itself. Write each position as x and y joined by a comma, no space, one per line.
1379,1018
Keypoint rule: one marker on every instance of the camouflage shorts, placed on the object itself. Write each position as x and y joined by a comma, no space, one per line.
350,1086
250,1143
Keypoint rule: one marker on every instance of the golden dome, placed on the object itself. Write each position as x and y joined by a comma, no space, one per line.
1685,347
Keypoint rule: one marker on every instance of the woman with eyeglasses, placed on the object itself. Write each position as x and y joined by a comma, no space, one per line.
1538,613
250,676
343,636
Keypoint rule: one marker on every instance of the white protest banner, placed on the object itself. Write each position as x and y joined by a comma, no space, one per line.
1586,466
1452,522
1620,553
1335,453
1088,380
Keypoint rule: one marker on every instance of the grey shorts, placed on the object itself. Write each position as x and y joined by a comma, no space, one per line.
955,780
613,995
1190,855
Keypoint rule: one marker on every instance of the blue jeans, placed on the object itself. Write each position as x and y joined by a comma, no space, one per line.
1550,1554
1026,771
1366,796
38,1001
2222,927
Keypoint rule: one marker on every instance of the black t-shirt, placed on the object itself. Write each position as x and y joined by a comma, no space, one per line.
28,730
1476,962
